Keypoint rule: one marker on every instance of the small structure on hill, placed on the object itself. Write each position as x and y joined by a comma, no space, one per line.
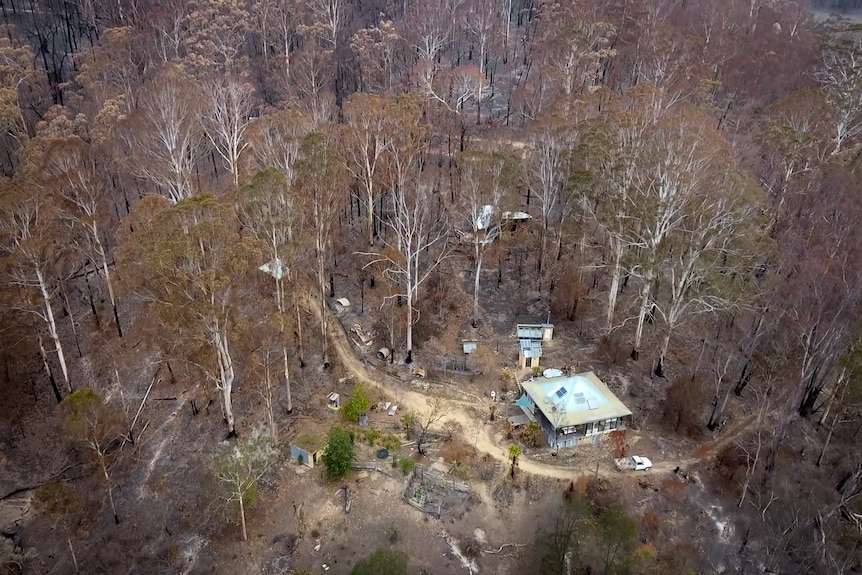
529,353
511,221
307,449
334,401
276,268
536,331
341,305
573,409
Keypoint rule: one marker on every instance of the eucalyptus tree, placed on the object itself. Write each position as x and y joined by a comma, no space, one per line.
82,185
841,77
269,210
486,184
189,264
30,248
322,186
417,243
276,139
679,152
367,133
227,117
164,134
547,165
713,255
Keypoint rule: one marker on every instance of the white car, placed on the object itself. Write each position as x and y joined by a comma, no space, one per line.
633,463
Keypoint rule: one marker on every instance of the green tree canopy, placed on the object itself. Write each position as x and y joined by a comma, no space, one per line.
355,405
338,454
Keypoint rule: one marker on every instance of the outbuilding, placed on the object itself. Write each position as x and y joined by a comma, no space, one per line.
307,449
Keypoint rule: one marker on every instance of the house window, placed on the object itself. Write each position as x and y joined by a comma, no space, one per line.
589,429
612,423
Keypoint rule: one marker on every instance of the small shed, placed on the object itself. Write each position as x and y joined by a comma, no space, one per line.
341,305
334,400
469,346
529,354
276,268
511,221
536,331
308,449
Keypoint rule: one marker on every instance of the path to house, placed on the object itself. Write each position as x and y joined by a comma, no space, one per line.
475,428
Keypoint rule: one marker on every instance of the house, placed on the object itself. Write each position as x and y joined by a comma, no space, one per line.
572,409
529,354
308,449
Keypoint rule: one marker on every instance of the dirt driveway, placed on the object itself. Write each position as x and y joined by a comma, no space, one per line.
460,412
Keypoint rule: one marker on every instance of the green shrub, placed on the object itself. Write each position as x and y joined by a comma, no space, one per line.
371,435
338,454
406,464
355,405
391,442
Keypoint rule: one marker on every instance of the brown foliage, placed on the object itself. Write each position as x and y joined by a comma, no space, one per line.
531,435
457,451
602,493
679,557
579,485
617,442
683,404
569,299
650,524
486,467
730,461
612,350
672,489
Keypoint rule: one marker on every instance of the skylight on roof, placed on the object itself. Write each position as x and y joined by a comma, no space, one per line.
561,392
580,398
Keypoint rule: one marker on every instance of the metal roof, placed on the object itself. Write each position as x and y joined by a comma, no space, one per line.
531,330
276,268
483,217
574,399
530,348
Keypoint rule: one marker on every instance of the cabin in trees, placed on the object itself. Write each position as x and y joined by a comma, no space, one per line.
572,409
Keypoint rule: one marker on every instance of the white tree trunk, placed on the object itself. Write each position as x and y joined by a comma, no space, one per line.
479,258
369,199
226,374
108,483
646,301
616,274
321,283
52,328
409,322
287,379
242,518
104,257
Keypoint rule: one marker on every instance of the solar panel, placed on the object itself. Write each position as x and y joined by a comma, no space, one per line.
561,392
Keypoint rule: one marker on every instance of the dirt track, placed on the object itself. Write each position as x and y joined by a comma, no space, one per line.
484,442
